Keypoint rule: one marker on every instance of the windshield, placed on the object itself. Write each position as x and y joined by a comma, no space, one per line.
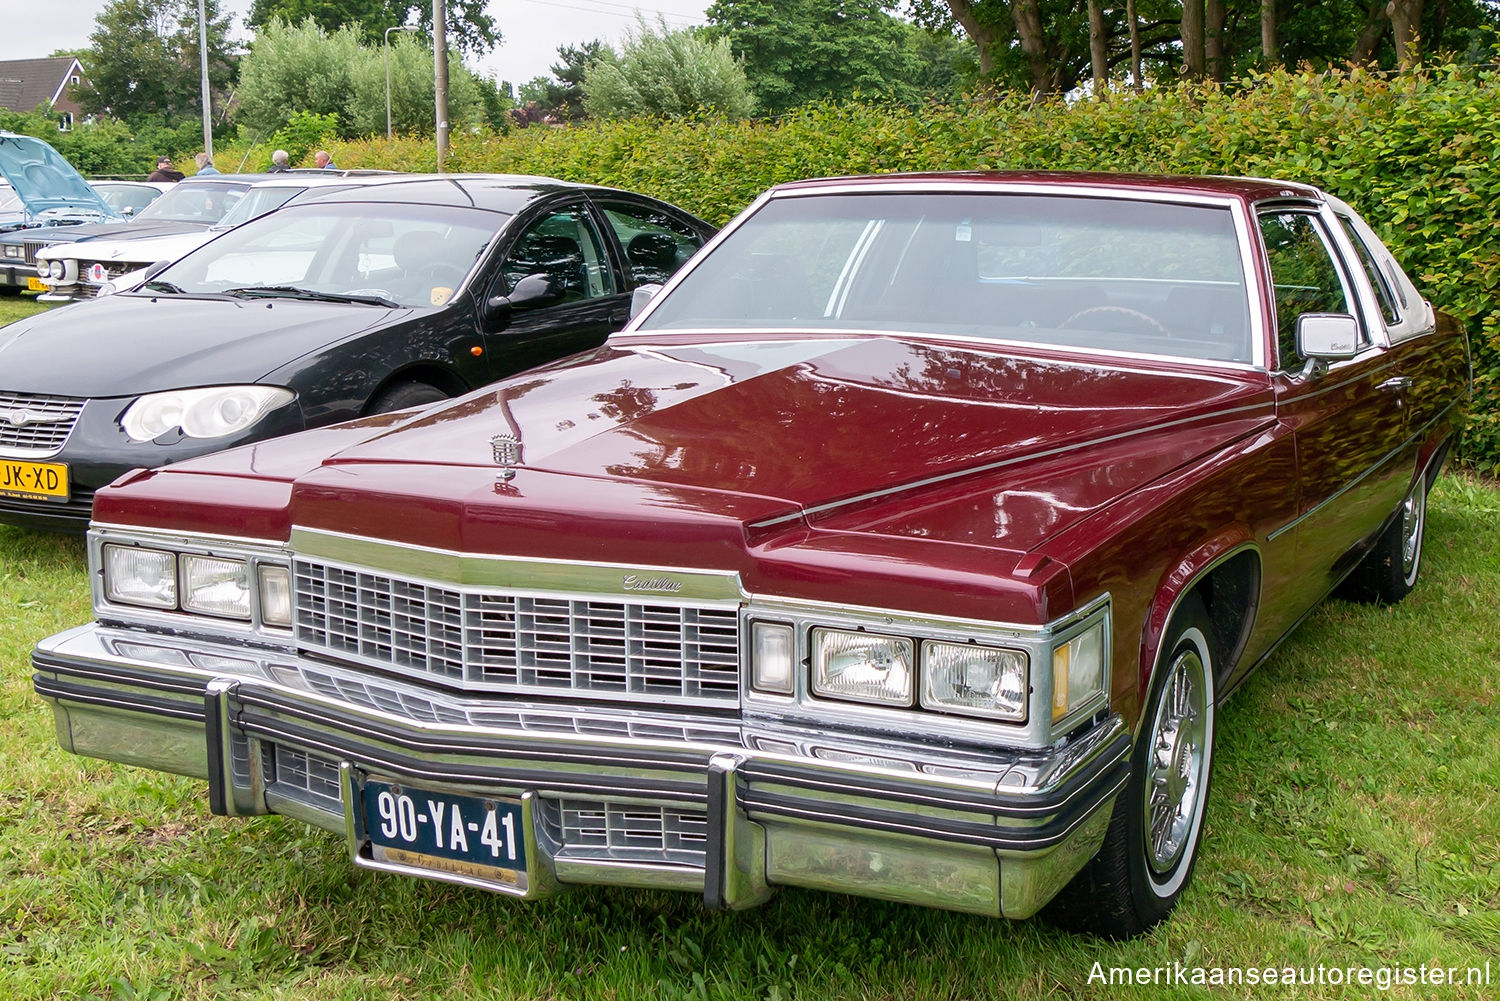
410,255
1101,273
201,201
258,201
122,195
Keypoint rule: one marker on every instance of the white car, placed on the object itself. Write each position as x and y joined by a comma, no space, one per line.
74,271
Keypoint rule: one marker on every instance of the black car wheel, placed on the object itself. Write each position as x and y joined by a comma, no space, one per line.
1152,843
1389,570
403,395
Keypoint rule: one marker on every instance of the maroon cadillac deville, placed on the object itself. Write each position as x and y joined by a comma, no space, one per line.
904,544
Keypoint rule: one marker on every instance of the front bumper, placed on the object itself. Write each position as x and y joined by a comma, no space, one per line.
713,804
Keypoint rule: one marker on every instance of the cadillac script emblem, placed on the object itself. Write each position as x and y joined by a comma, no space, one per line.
507,453
664,585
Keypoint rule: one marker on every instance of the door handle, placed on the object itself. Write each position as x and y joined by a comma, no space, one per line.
1399,384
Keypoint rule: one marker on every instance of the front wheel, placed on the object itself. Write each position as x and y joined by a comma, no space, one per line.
1157,826
404,395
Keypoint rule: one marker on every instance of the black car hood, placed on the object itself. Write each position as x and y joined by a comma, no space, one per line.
124,345
114,231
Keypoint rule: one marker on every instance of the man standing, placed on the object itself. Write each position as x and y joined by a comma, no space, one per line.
205,164
164,171
279,162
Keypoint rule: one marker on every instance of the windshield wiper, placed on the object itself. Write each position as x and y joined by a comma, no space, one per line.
311,295
163,286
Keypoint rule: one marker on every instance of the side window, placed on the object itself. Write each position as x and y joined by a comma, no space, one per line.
1305,276
1372,270
655,244
566,246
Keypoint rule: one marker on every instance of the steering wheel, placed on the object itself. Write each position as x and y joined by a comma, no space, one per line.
437,273
1145,322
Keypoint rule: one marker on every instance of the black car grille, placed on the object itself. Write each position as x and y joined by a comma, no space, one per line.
36,426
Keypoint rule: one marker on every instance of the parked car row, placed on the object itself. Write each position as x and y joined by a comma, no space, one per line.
903,543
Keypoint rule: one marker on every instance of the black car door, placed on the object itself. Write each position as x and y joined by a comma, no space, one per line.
652,240
562,241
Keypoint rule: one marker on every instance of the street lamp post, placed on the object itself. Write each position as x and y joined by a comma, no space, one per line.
399,27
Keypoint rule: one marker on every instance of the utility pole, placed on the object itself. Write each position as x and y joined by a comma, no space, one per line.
208,120
440,76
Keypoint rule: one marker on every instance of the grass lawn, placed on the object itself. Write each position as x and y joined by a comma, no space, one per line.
15,307
1355,821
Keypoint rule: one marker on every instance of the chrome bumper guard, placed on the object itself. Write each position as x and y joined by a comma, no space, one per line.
706,802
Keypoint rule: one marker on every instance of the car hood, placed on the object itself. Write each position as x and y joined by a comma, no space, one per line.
125,345
147,249
45,181
843,435
134,229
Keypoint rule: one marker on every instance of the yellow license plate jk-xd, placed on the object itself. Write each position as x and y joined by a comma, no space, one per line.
47,480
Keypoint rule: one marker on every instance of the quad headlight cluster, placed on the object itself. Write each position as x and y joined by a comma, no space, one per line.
221,587
939,674
55,271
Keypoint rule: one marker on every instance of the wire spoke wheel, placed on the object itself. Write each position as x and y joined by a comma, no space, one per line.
1177,762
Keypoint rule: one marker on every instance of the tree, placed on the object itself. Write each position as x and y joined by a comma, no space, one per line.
469,27
143,61
668,73
1044,45
560,96
302,68
797,51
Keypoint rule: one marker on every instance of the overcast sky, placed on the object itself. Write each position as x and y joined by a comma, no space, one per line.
533,29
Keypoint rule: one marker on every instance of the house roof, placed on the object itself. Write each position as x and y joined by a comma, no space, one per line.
26,83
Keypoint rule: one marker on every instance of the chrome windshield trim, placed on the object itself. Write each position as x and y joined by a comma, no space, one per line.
519,573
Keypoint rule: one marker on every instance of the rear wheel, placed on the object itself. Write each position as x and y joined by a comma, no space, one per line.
403,395
1152,843
1389,570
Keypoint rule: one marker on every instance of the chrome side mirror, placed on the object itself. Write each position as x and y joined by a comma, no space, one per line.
640,297
1326,337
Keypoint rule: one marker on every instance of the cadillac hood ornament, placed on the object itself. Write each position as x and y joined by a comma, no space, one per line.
507,453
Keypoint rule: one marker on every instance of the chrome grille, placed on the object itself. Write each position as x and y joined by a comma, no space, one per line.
306,775
36,425
634,832
32,246
485,640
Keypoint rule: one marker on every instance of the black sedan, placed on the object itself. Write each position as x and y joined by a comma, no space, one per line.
358,302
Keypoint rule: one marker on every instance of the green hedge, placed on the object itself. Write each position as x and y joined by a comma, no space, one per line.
1418,154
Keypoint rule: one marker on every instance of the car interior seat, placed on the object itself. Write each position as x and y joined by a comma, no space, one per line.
652,257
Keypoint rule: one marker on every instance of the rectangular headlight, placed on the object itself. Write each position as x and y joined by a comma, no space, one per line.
275,597
975,680
214,586
136,576
1077,670
862,667
771,657
13,251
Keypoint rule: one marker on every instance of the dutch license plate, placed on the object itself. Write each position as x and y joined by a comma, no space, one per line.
34,284
43,480
446,834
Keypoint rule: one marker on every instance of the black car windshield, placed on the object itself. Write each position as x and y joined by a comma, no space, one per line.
411,255
200,201
1103,273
